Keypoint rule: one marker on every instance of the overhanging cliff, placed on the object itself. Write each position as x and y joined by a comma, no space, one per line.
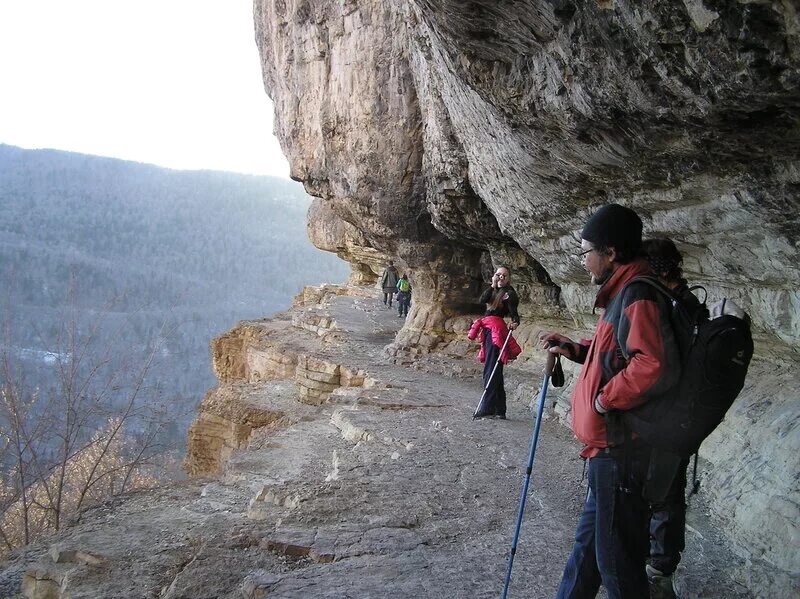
450,135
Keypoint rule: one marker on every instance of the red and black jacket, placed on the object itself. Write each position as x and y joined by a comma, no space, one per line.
632,357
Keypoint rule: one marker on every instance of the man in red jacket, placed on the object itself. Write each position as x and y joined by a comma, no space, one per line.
631,358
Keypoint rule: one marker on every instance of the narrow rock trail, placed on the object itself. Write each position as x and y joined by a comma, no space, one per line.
383,487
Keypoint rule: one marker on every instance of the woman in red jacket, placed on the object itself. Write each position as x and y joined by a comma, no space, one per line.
501,300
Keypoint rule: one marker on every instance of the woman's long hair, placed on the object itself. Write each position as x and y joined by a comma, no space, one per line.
497,294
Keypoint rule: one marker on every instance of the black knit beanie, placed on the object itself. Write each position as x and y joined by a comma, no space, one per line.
614,226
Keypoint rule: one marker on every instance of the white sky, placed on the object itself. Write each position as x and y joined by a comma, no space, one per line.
170,82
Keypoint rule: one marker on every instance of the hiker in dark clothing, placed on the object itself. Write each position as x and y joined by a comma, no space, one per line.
668,517
389,280
632,358
501,300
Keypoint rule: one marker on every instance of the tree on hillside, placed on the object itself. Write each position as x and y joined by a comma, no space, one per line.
97,433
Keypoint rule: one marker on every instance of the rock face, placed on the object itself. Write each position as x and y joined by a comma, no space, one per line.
452,135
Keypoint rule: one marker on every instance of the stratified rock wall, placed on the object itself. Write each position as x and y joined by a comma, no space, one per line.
450,135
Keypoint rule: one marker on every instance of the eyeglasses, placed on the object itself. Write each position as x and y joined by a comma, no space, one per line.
584,252
499,276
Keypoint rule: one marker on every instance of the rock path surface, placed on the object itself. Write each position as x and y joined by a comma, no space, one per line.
387,489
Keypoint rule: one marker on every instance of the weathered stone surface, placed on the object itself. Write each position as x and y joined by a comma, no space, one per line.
451,136
227,417
390,491
41,584
497,128
63,555
258,584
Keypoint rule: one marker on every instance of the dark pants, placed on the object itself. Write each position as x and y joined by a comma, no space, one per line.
403,302
668,524
611,539
494,399
387,298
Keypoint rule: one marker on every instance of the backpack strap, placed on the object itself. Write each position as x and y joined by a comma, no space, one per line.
675,301
665,292
655,284
694,288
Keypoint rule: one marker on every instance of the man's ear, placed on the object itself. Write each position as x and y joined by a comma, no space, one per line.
612,254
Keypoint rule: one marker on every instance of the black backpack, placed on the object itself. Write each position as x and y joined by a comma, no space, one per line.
715,354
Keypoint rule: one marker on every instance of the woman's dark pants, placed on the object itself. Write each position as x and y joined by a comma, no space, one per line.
494,400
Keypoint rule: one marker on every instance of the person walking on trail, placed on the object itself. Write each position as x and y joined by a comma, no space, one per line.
501,301
403,296
631,358
667,516
389,280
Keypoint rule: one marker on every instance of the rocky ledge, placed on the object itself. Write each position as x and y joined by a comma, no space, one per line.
341,471
454,135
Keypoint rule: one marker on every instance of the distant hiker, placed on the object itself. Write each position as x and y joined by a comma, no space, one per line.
403,296
389,283
668,517
501,300
631,358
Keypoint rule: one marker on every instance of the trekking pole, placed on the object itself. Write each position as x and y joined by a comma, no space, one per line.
548,370
491,376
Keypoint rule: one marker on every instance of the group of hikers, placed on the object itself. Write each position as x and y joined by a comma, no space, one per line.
627,544
396,287
630,535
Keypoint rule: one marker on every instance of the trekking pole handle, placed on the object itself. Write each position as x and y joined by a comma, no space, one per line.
550,364
552,358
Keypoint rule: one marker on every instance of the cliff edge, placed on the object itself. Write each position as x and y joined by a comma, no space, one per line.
325,469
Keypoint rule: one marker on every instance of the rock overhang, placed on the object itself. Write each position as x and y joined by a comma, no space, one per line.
451,136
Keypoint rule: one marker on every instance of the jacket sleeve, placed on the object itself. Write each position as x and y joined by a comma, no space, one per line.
651,356
485,296
475,329
580,349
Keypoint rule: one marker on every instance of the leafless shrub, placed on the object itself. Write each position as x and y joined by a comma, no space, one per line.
96,433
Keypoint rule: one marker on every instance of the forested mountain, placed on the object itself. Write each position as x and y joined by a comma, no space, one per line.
147,258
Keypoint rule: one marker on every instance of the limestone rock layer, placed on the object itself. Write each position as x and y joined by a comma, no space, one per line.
452,135
445,132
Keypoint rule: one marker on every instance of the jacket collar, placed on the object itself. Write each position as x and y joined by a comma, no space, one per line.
620,277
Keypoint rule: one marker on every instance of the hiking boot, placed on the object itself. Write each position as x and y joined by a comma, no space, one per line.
661,585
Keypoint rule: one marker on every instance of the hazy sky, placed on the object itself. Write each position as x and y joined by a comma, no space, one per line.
170,82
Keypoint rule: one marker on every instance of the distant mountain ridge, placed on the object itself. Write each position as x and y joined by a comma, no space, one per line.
111,209
144,244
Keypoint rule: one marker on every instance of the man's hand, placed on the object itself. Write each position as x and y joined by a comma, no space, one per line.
513,326
551,341
494,281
